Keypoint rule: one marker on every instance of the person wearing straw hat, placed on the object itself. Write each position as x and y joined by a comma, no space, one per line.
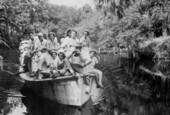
83,65
77,60
43,58
41,43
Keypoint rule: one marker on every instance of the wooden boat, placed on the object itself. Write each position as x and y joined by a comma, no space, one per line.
65,90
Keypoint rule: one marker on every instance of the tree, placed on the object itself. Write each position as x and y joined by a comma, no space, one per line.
134,21
36,15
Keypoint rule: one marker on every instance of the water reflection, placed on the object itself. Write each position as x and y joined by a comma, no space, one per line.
128,91
13,106
37,106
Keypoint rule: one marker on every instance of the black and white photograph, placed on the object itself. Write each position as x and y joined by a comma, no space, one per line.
84,57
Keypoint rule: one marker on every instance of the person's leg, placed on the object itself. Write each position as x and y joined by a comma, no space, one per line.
100,75
67,73
68,66
76,68
48,59
34,64
46,73
55,73
26,63
41,61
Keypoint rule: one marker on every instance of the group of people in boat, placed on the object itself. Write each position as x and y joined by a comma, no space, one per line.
47,57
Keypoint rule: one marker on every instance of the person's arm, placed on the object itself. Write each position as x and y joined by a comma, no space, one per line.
89,42
70,55
96,60
55,64
85,61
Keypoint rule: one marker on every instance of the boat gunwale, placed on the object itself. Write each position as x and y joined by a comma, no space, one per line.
46,79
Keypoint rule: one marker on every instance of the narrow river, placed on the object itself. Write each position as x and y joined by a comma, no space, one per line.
130,88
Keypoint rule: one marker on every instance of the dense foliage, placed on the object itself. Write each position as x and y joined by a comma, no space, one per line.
114,23
134,21
18,17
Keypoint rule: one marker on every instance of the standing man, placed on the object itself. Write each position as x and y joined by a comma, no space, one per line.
41,57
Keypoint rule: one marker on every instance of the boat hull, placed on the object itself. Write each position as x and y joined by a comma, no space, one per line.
65,90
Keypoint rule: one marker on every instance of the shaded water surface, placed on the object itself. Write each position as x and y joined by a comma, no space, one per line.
128,90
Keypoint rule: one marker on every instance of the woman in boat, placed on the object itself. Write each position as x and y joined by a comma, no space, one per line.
95,71
71,43
85,40
86,43
64,40
52,43
60,65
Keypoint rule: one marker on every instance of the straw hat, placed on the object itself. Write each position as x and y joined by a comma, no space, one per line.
93,50
40,34
78,45
54,51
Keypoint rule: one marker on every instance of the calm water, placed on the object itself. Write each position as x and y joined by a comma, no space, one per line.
129,90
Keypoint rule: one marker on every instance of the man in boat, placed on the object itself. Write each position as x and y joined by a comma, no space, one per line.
42,56
25,51
26,48
32,38
82,64
85,66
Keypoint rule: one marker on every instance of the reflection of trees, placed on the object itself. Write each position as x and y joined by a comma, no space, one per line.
133,89
38,106
9,104
8,84
158,78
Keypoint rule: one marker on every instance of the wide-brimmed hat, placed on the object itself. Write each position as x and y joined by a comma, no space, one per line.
53,51
93,50
78,45
51,33
40,34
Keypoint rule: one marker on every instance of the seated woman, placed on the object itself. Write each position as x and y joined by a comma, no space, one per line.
60,66
95,71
